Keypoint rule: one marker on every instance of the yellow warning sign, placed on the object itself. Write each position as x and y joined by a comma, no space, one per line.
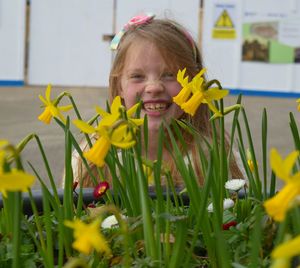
224,20
224,27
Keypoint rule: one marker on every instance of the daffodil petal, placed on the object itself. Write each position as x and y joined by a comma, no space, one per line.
43,100
132,109
65,108
109,120
124,145
15,181
282,168
83,126
289,161
183,81
287,249
215,94
101,112
279,204
116,104
48,93
214,109
137,121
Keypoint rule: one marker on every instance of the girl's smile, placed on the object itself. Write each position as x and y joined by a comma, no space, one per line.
148,78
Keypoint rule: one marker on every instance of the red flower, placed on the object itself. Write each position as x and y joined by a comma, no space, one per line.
227,225
101,189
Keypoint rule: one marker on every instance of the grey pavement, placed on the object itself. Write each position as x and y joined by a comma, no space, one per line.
20,107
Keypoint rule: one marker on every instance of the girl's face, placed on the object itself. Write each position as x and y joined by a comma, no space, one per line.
147,77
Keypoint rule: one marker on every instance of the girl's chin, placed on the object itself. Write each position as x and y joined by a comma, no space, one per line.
155,123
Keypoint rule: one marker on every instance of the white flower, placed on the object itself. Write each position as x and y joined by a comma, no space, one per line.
111,222
235,184
227,203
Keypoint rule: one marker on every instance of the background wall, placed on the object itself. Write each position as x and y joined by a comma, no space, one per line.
12,42
68,40
66,37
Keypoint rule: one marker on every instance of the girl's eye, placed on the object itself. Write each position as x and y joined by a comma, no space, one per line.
136,76
168,75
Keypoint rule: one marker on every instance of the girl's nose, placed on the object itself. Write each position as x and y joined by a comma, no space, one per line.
154,87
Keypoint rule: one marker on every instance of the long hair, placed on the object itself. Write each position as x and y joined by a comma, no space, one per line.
179,51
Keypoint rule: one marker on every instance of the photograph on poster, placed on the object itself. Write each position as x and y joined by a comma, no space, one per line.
271,41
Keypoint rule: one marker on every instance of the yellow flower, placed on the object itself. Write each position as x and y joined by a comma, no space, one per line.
149,173
109,118
51,108
250,161
14,180
279,204
88,237
298,107
120,137
112,130
3,143
186,90
193,94
285,251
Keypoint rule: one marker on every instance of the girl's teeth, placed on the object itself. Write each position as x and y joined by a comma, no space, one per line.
155,106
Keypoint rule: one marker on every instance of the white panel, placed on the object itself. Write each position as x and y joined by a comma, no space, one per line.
12,44
66,46
221,56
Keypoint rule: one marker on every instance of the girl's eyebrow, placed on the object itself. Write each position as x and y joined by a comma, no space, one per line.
134,70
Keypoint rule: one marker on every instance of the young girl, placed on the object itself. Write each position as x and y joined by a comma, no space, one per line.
149,53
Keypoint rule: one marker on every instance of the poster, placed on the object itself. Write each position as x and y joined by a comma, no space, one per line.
224,21
271,36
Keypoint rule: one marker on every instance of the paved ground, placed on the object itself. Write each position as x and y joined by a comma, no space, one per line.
20,107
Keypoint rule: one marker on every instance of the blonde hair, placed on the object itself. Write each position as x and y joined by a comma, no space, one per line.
179,51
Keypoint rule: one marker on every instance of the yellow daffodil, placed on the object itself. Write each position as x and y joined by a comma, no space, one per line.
51,108
298,107
88,237
285,251
14,180
186,90
112,130
149,174
109,118
193,94
3,143
279,204
250,161
120,137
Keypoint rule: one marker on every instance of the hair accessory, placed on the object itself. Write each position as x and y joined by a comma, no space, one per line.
135,21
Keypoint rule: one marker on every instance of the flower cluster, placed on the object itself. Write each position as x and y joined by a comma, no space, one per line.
196,92
116,128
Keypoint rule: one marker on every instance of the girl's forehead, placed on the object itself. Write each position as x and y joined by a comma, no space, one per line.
144,51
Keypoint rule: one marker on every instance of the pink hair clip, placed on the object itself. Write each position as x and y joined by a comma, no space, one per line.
136,20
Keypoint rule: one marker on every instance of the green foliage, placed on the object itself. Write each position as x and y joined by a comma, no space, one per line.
169,229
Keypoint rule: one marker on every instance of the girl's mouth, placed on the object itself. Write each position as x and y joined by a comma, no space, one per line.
156,107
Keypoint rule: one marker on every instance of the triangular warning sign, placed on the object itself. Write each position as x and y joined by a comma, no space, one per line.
224,20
